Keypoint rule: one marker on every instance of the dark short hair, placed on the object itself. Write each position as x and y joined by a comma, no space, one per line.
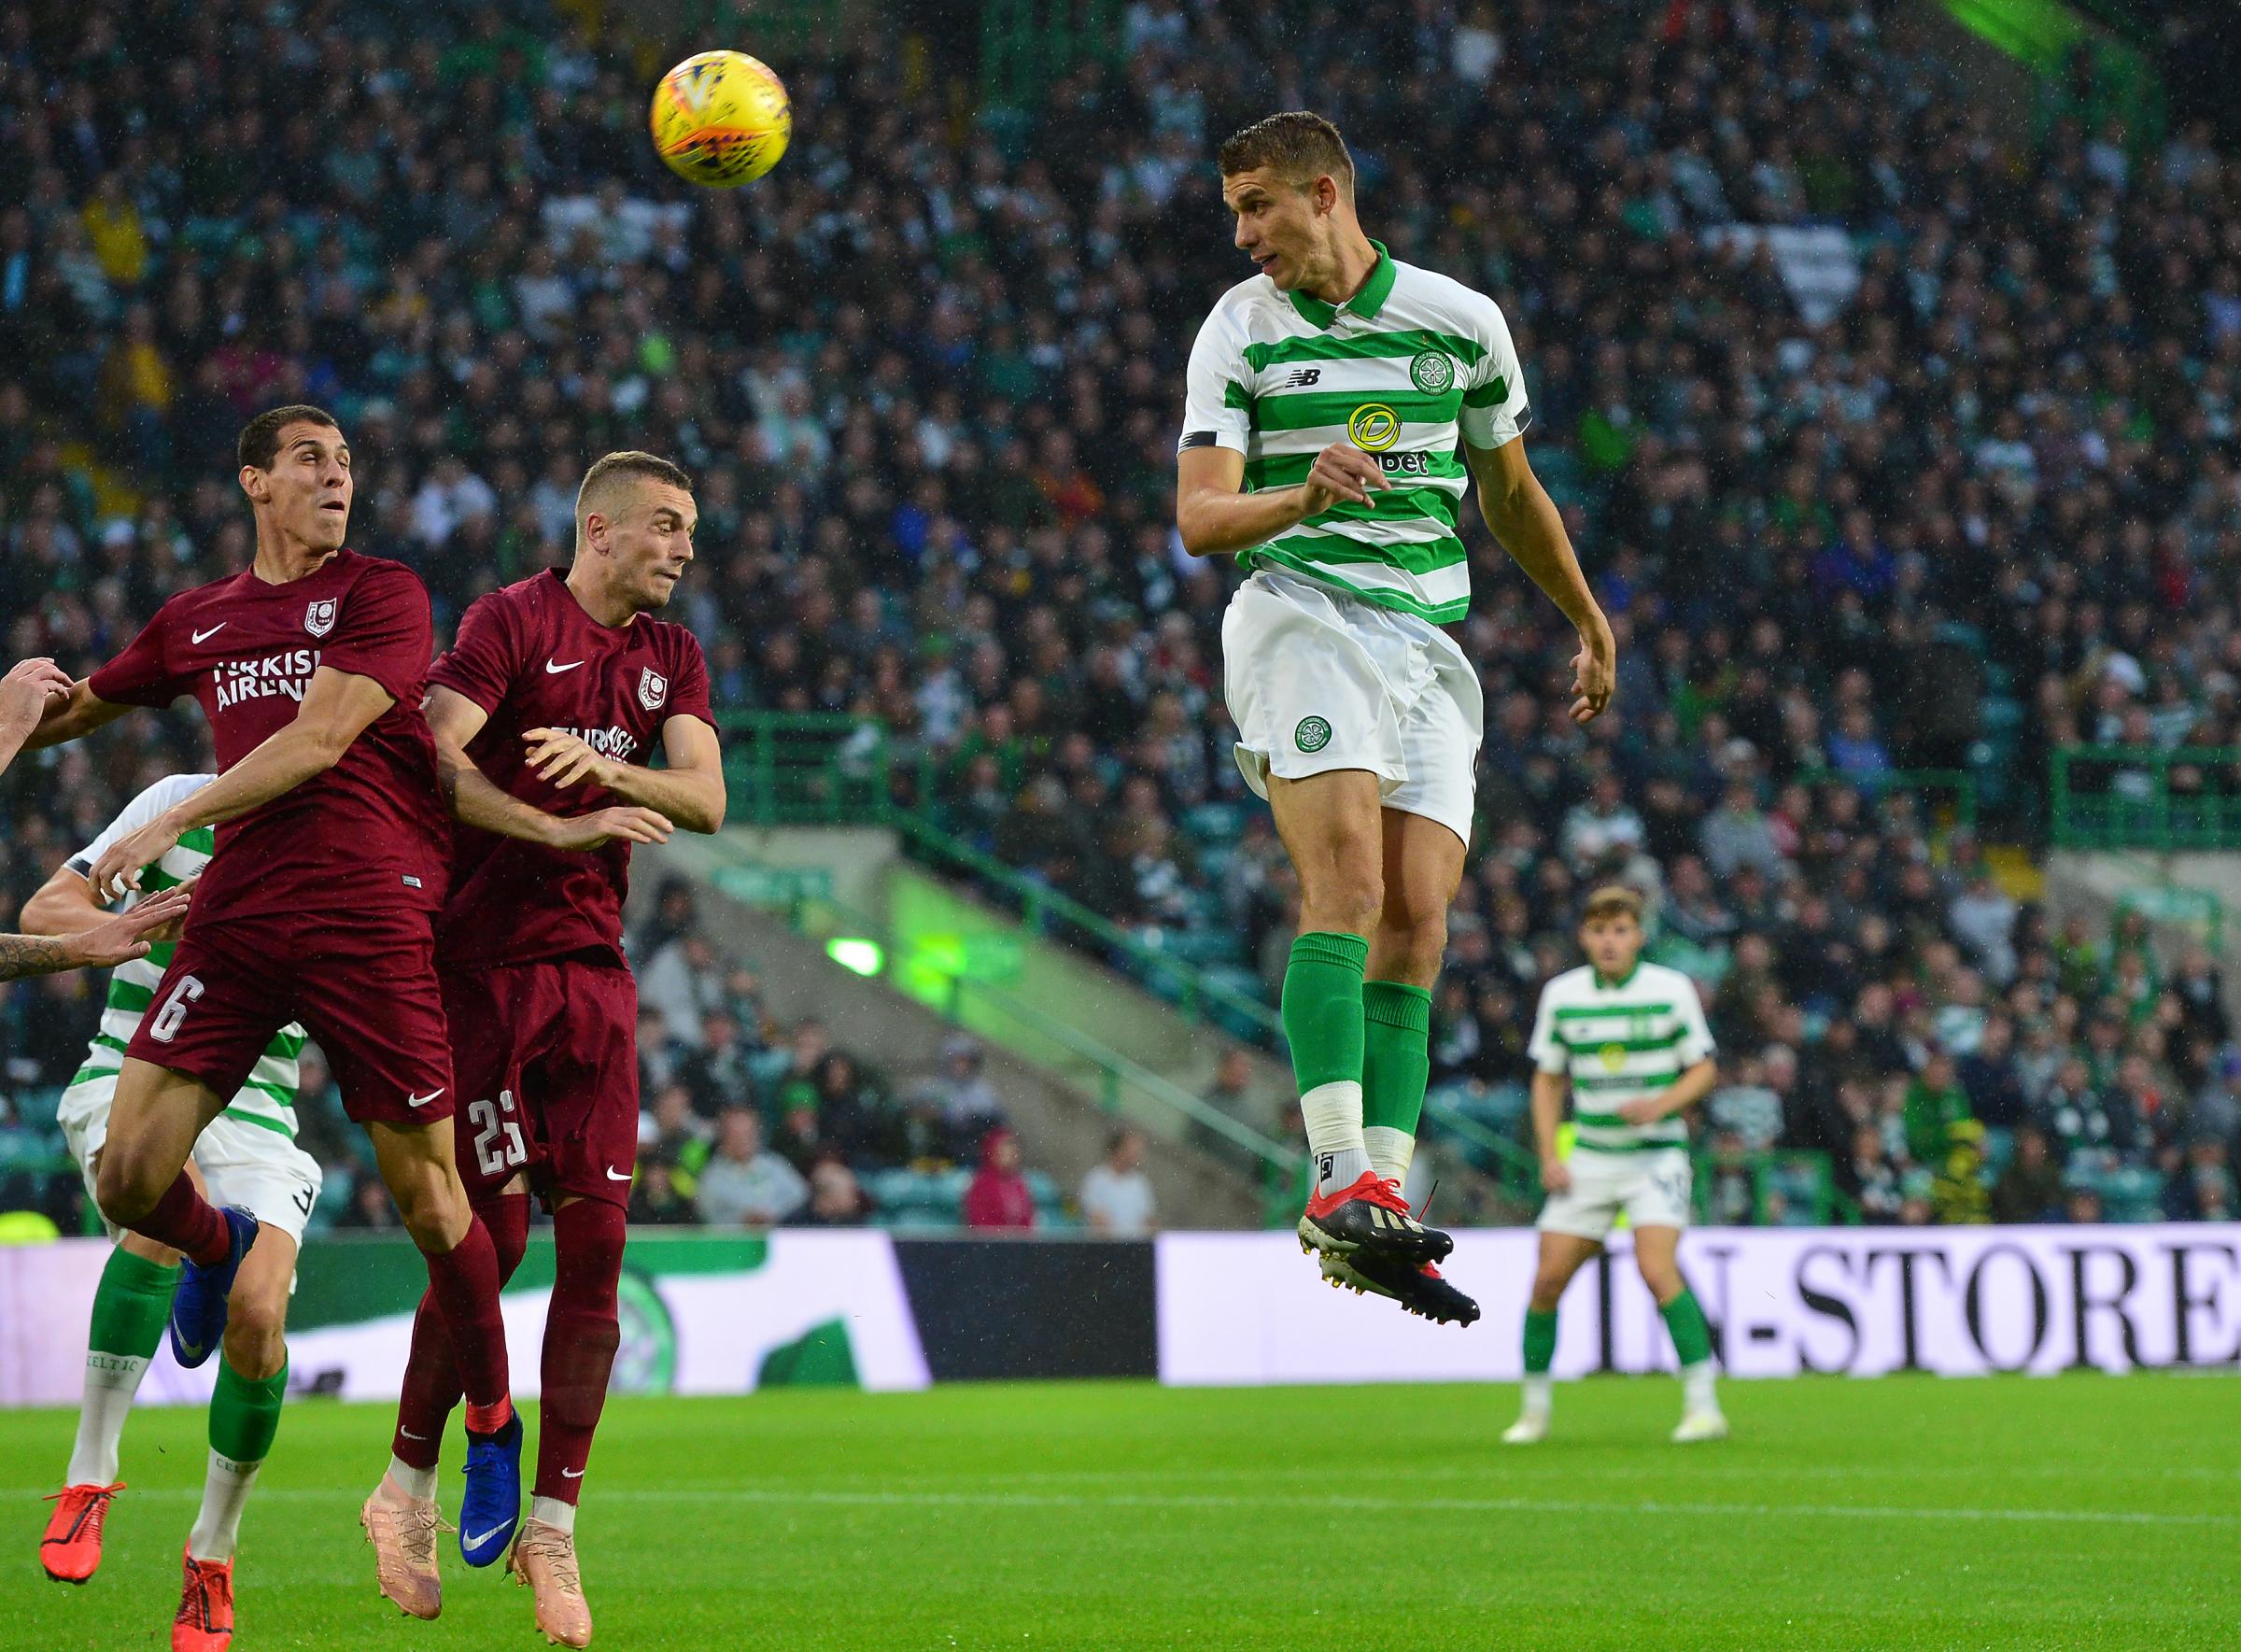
259,442
1613,900
1298,144
627,466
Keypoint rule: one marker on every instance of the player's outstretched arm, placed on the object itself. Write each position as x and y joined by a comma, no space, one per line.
1215,519
687,790
64,905
1531,530
338,706
477,800
101,946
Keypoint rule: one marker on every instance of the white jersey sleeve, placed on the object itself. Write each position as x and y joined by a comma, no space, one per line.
166,792
1216,411
1495,412
1547,1053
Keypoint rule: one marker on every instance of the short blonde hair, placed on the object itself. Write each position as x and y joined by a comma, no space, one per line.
1613,900
630,465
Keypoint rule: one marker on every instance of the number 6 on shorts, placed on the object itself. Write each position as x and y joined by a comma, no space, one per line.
164,1027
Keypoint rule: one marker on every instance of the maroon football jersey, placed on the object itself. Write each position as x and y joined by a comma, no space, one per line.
533,658
371,830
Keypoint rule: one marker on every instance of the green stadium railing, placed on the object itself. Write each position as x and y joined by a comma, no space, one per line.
830,768
2150,798
967,1002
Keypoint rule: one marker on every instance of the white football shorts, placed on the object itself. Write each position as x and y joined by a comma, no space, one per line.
1652,1187
1318,680
244,1164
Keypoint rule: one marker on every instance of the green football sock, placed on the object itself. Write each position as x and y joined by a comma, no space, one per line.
1322,1008
1396,1062
130,1306
244,1412
1692,1337
1540,1342
244,1415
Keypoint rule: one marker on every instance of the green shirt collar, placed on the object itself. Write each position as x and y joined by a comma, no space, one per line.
1376,289
1608,985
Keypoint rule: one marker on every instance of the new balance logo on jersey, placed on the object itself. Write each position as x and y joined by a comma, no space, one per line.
1302,378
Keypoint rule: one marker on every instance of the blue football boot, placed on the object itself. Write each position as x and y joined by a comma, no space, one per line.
198,1307
492,1506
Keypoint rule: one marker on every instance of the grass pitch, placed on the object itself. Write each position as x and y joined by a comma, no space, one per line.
1906,1513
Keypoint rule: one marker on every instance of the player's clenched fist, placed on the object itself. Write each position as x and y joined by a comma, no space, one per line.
1594,674
25,691
1341,471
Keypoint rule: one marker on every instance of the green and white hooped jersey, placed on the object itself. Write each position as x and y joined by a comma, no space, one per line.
268,1098
1407,369
1620,1041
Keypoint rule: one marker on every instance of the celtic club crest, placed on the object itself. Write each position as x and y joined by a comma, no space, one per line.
1432,372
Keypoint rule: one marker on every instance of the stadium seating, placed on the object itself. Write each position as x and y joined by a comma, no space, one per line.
1869,571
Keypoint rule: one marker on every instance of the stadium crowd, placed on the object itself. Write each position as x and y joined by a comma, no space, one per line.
929,376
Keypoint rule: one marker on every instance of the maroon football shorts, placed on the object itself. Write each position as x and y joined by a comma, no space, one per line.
546,1058
365,989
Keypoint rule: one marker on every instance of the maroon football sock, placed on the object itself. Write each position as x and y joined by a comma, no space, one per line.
581,1331
431,1374
464,1282
188,1223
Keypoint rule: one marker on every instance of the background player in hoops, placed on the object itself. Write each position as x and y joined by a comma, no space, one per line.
249,1157
558,689
318,906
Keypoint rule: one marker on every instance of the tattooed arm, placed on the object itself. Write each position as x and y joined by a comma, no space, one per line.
104,945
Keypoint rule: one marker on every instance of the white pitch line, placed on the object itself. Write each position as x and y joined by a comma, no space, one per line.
795,1497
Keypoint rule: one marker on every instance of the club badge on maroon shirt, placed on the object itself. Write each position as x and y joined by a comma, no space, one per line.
368,832
531,658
